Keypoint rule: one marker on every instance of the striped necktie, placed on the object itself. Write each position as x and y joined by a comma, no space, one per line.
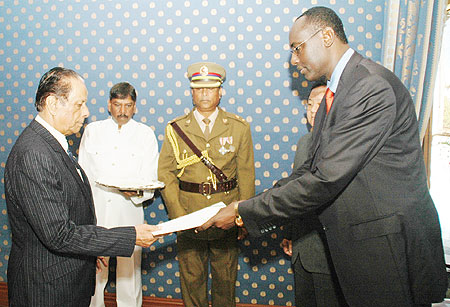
75,163
72,157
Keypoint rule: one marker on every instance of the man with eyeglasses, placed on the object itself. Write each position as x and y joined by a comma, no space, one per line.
364,177
225,141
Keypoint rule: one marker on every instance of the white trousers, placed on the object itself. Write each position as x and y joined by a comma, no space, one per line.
128,282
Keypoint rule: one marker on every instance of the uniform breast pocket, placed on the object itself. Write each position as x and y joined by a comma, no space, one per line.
223,154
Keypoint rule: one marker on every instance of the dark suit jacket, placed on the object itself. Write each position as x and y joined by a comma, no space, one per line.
366,172
54,238
307,233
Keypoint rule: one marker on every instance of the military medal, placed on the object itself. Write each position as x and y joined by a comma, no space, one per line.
230,141
222,149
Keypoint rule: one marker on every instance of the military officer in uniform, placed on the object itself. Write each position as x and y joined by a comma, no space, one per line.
223,141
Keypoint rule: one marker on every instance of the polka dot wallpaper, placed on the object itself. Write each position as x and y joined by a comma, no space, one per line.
150,44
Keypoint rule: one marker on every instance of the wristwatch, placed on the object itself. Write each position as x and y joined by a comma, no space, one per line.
238,219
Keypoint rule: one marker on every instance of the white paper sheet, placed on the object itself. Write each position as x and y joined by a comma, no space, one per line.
189,221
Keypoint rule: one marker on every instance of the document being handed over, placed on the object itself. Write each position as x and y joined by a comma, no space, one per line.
189,221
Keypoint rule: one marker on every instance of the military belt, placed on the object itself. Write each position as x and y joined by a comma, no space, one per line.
207,188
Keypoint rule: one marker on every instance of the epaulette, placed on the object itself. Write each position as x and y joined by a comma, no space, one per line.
236,117
178,118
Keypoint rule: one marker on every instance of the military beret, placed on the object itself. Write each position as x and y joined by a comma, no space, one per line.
206,74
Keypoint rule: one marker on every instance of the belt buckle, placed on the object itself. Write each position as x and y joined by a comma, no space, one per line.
206,191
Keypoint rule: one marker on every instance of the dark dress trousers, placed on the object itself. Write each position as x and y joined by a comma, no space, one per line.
366,179
315,284
51,214
307,245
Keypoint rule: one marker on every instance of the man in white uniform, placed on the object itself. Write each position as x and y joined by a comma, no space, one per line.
119,147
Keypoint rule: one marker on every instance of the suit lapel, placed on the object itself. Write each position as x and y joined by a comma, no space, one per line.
319,123
54,144
322,119
347,77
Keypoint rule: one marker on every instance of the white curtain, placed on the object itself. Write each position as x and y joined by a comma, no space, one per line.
440,148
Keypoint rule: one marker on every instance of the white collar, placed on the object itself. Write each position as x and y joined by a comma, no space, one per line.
200,118
61,138
126,126
332,84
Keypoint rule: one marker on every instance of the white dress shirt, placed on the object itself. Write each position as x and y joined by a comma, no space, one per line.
333,83
128,152
200,118
61,138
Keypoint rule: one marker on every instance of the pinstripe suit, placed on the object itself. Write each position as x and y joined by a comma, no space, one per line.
54,238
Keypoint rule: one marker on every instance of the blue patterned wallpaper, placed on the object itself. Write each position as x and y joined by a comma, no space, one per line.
150,44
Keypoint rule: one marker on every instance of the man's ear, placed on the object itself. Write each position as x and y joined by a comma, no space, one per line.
220,92
109,106
328,36
51,103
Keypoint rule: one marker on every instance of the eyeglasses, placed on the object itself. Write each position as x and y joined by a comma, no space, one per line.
297,49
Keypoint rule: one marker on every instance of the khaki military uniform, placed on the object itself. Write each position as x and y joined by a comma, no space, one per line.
230,148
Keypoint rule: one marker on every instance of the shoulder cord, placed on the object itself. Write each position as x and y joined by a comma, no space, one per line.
182,164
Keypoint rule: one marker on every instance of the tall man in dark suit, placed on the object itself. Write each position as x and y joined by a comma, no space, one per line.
54,238
364,177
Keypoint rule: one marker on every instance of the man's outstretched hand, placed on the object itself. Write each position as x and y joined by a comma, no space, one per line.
144,236
224,219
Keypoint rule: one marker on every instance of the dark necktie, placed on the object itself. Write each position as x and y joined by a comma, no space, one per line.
329,97
72,158
75,163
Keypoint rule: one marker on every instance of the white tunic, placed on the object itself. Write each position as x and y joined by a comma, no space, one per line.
131,151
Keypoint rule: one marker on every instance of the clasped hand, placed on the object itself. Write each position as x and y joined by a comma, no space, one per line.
224,219
130,193
144,236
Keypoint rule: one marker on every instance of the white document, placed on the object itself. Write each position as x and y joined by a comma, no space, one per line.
189,221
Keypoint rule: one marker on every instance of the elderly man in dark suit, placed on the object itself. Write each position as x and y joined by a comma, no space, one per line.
364,177
54,238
